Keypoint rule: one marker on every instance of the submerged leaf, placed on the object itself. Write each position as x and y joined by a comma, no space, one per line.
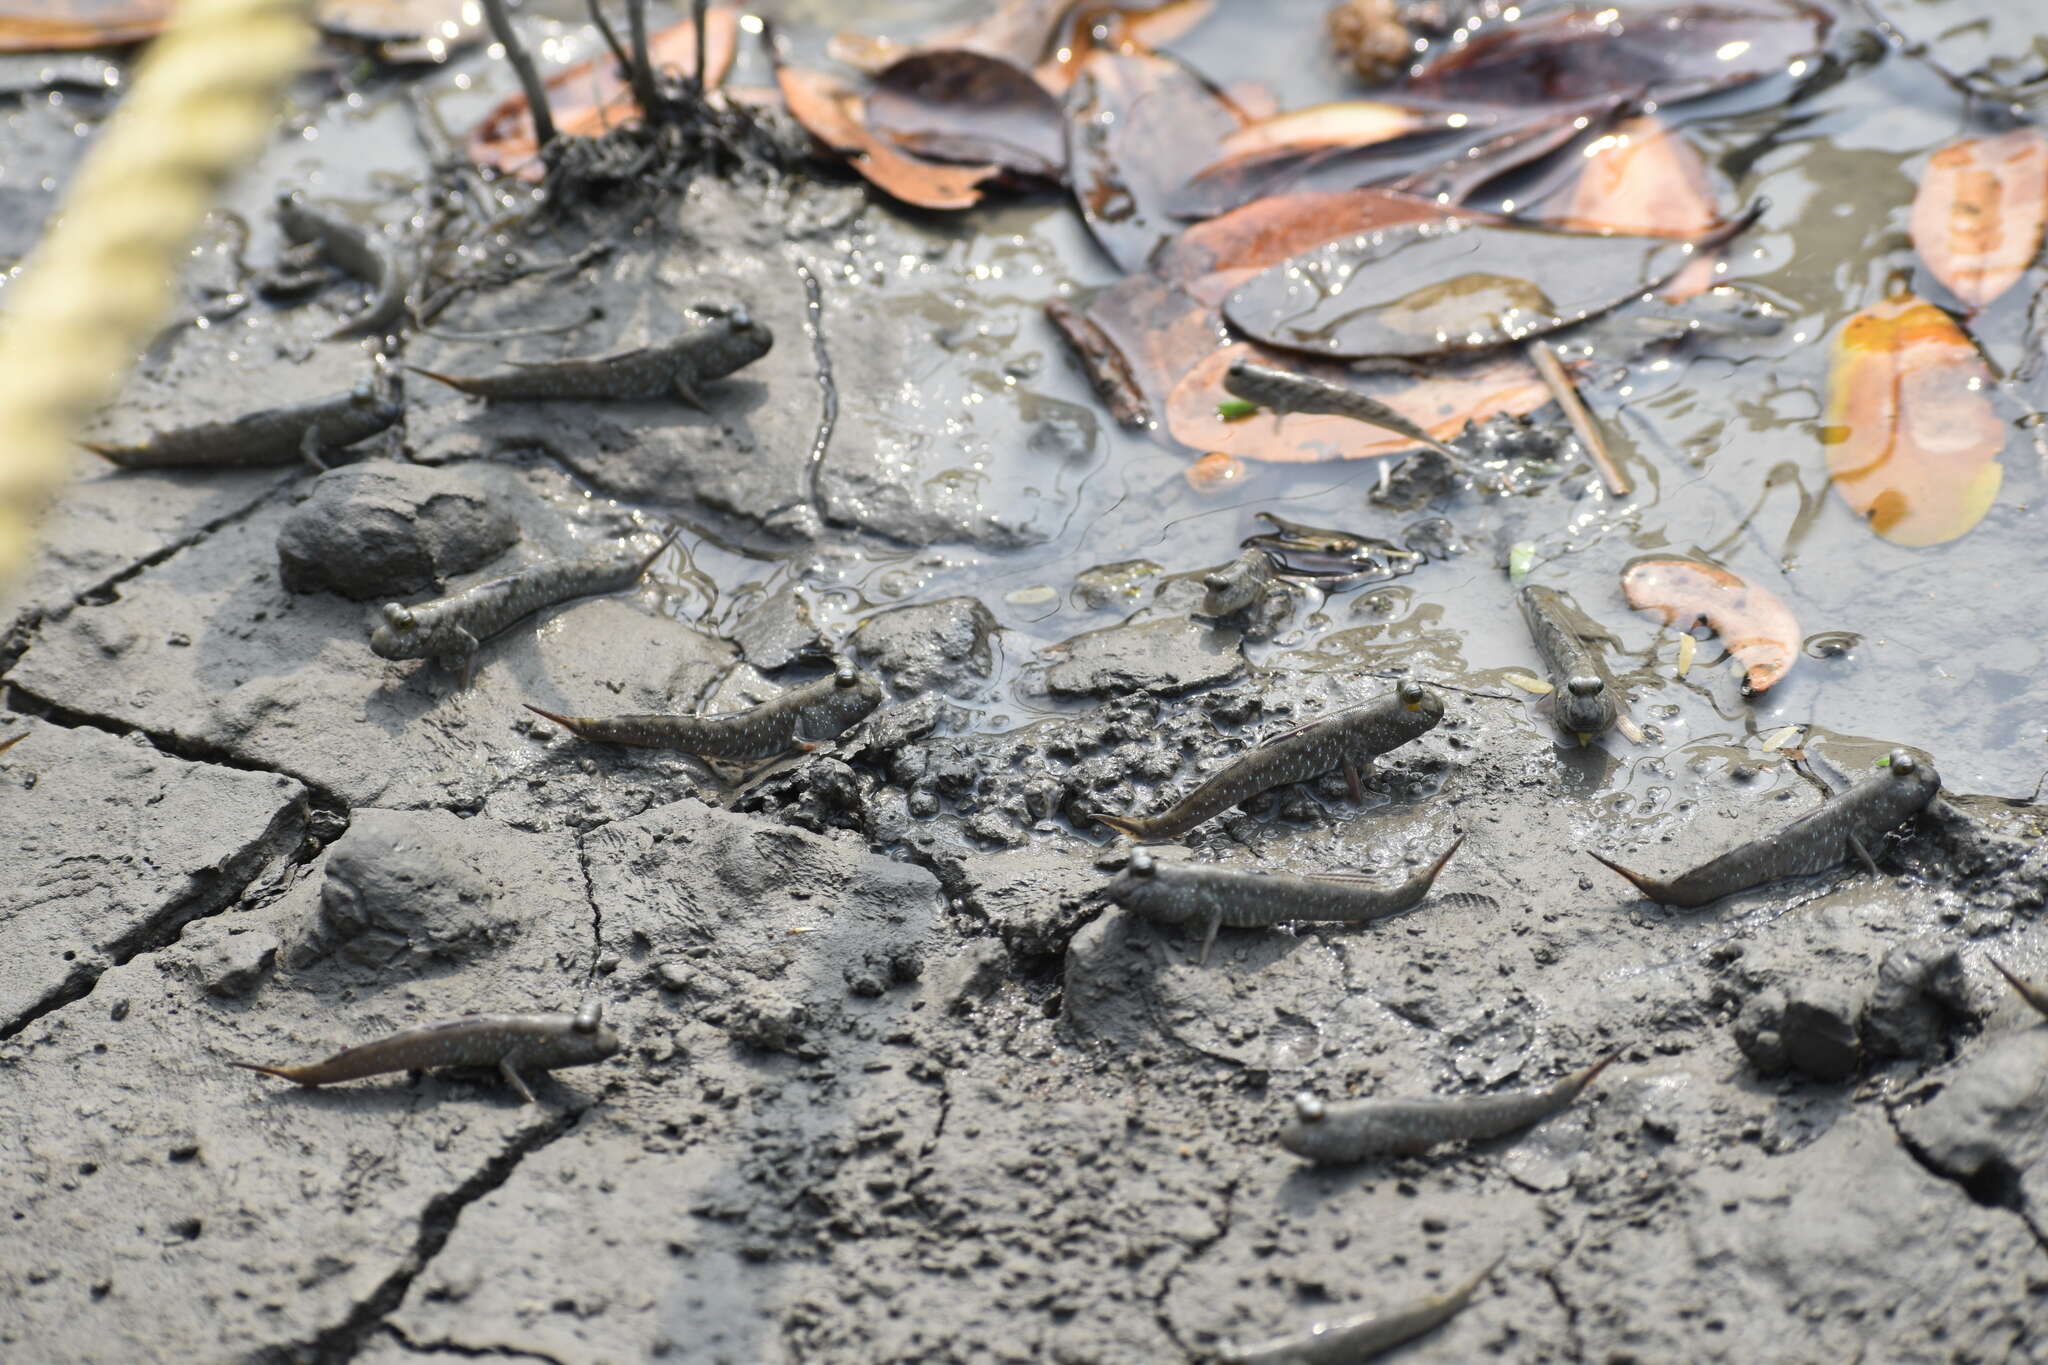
1135,339
591,98
1441,405
1455,285
1643,177
1666,54
1980,211
1912,440
957,105
1757,627
1345,123
39,26
1521,139
1138,125
829,109
1210,259
1444,158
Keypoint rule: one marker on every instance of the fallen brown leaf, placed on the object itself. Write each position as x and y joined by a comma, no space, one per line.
1116,28
1912,439
1139,126
1980,211
1210,259
957,105
40,26
1135,339
1758,629
830,110
1441,405
1643,177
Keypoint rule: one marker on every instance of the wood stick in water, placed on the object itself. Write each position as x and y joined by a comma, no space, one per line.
1552,370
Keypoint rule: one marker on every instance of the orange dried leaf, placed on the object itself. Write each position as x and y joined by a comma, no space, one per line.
1980,211
1643,177
1345,123
1440,405
1255,98
1912,439
830,110
40,26
1117,29
590,98
1759,629
1212,258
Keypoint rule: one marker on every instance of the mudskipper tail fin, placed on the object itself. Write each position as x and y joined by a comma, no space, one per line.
452,381
2029,992
1649,886
1579,1081
1436,868
1130,826
573,724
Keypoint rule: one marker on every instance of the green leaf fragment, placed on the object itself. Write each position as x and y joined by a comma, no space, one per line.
1235,409
1521,559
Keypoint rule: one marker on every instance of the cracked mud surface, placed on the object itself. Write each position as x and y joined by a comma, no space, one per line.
898,1086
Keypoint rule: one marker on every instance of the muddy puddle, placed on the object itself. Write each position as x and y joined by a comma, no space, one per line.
897,1084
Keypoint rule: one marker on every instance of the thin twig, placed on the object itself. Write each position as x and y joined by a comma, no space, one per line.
645,91
611,39
522,66
1552,370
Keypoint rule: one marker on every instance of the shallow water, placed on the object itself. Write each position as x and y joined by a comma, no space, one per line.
1720,433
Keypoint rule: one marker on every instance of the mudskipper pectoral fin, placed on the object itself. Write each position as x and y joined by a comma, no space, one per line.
1357,781
1209,938
687,392
309,447
470,648
514,1079
1856,847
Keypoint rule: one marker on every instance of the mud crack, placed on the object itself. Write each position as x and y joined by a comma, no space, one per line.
1995,1184
1196,1250
319,797
462,1348
1565,1305
828,405
344,1339
596,910
287,836
15,639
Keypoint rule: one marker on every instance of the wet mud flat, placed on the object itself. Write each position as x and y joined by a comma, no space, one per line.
898,1084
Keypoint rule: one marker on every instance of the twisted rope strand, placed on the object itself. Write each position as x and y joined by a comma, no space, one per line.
101,281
